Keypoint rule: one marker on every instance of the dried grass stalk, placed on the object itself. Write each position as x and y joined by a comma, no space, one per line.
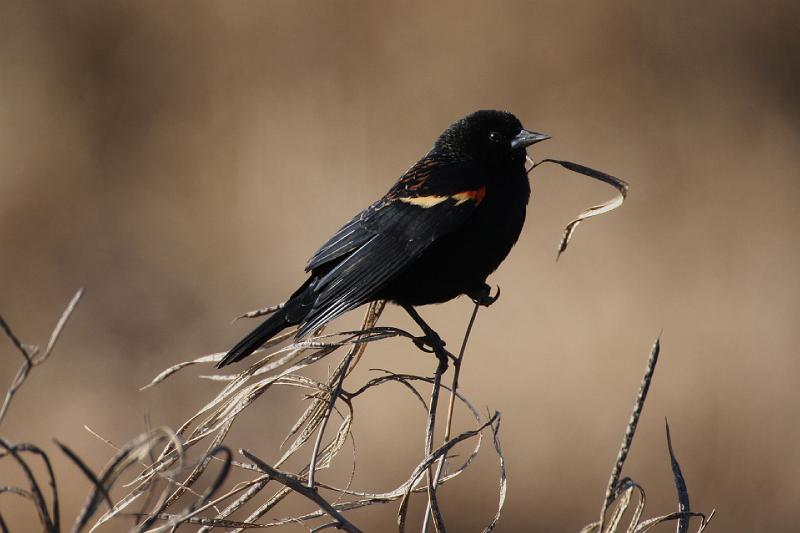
619,492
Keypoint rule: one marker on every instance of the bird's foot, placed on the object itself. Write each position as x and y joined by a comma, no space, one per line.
432,343
483,295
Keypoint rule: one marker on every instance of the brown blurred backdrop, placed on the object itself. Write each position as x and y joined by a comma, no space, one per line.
182,160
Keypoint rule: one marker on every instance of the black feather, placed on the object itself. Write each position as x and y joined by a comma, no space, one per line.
293,312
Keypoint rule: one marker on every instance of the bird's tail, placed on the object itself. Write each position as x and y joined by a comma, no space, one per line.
292,313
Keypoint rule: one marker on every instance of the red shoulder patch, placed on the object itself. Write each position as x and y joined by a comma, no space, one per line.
476,195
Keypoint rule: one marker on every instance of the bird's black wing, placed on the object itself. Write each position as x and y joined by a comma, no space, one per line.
344,241
432,199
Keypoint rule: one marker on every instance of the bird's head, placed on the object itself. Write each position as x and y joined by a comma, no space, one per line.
492,138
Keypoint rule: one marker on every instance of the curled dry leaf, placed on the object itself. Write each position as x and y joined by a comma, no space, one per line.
605,207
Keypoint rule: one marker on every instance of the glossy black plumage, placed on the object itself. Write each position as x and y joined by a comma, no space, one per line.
446,224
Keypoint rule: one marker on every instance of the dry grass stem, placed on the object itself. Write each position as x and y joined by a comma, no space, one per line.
431,509
621,491
34,357
621,186
169,478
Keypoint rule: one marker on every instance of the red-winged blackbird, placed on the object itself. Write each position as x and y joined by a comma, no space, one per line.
446,224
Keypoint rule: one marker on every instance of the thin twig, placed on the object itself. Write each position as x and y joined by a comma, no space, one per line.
90,475
22,373
503,480
428,462
33,358
198,505
356,350
450,407
438,521
334,395
62,321
298,486
14,340
38,498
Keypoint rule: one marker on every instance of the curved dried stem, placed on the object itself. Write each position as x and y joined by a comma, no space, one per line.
450,408
34,357
167,478
350,360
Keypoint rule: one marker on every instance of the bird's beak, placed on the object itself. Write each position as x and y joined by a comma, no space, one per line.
526,138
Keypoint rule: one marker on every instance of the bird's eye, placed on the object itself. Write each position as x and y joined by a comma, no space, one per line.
496,137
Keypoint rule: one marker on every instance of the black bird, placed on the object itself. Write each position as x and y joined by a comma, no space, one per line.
446,224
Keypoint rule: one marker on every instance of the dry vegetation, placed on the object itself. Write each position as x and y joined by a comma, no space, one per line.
165,478
160,156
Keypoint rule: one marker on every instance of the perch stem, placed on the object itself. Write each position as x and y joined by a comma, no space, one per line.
451,406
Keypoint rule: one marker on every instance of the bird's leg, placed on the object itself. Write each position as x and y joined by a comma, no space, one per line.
431,338
483,295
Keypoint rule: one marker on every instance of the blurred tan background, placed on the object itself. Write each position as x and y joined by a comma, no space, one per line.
182,160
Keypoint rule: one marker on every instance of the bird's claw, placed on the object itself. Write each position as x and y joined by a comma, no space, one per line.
435,345
428,344
423,344
483,296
